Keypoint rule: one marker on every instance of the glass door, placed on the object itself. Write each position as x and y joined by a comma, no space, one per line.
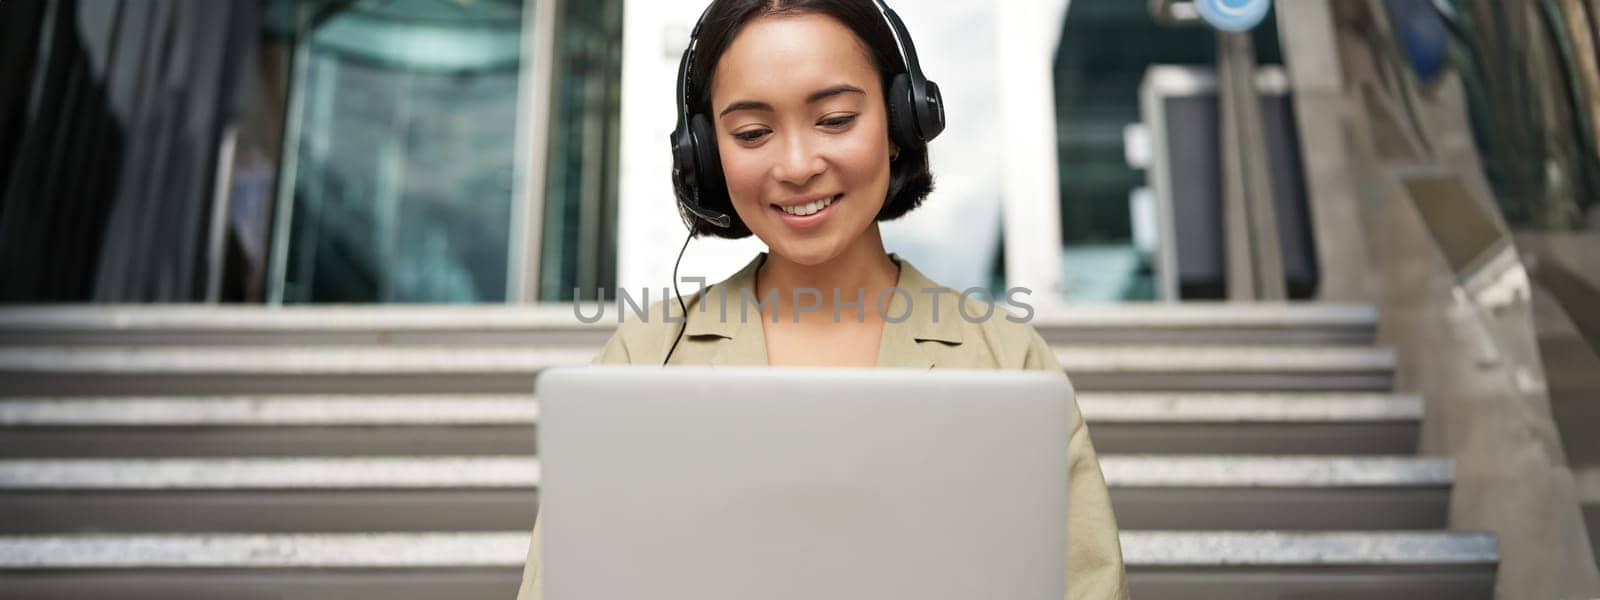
397,184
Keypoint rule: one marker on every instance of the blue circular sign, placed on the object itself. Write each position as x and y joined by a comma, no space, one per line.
1233,15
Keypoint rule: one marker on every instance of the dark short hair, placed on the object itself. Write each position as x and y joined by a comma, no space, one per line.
910,181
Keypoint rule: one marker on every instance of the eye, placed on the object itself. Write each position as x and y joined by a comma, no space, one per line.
751,135
837,122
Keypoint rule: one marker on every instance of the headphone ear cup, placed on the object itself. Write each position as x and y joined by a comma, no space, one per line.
708,166
683,162
932,123
902,115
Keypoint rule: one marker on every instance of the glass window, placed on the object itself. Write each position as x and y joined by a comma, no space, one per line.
579,245
403,132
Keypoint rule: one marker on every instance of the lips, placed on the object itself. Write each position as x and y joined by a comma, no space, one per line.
809,208
808,214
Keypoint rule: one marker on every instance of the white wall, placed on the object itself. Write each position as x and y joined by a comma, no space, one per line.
650,232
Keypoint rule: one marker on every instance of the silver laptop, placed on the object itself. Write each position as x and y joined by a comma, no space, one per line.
750,483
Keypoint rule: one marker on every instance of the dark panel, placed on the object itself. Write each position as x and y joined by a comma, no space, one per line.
268,512
1297,509
269,441
262,585
106,178
1473,582
1591,516
1193,141
1256,438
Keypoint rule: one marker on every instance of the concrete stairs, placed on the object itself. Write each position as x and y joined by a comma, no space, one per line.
387,452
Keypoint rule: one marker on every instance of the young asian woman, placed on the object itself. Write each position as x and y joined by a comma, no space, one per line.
796,91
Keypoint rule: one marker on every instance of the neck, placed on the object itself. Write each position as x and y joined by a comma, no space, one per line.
864,265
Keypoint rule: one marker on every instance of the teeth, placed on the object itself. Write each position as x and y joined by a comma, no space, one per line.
808,209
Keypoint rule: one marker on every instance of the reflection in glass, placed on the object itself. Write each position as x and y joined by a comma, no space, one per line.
405,155
579,245
1530,80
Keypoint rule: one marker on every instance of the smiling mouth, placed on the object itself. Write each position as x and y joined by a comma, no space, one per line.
806,210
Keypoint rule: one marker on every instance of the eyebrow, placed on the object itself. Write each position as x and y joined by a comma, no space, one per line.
815,97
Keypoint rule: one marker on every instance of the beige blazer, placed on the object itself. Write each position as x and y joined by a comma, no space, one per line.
1094,554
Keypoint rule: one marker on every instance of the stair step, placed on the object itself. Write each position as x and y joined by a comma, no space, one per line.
1287,493
1188,407
265,551
1211,323
1251,451
1199,367
1275,548
1276,471
271,411
269,494
428,493
276,441
513,472
1387,565
334,425
508,549
174,474
155,370
175,426
556,324
381,325
1273,564
1255,423
487,410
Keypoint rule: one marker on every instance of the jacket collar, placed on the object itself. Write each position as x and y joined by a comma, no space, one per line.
743,341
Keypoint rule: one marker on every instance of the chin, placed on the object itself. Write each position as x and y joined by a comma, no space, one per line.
807,252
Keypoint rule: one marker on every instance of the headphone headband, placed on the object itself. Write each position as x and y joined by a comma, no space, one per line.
686,63
897,30
902,38
915,115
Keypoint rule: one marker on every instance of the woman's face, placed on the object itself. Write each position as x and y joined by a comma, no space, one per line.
801,123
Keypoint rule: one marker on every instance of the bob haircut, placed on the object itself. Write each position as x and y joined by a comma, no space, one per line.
910,181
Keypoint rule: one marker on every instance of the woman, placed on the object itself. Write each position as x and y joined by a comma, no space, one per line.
794,94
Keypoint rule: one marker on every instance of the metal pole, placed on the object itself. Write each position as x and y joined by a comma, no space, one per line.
535,91
221,203
1255,256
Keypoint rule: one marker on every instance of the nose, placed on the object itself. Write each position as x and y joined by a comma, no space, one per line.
799,162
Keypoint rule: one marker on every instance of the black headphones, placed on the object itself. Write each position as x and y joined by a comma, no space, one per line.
915,114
